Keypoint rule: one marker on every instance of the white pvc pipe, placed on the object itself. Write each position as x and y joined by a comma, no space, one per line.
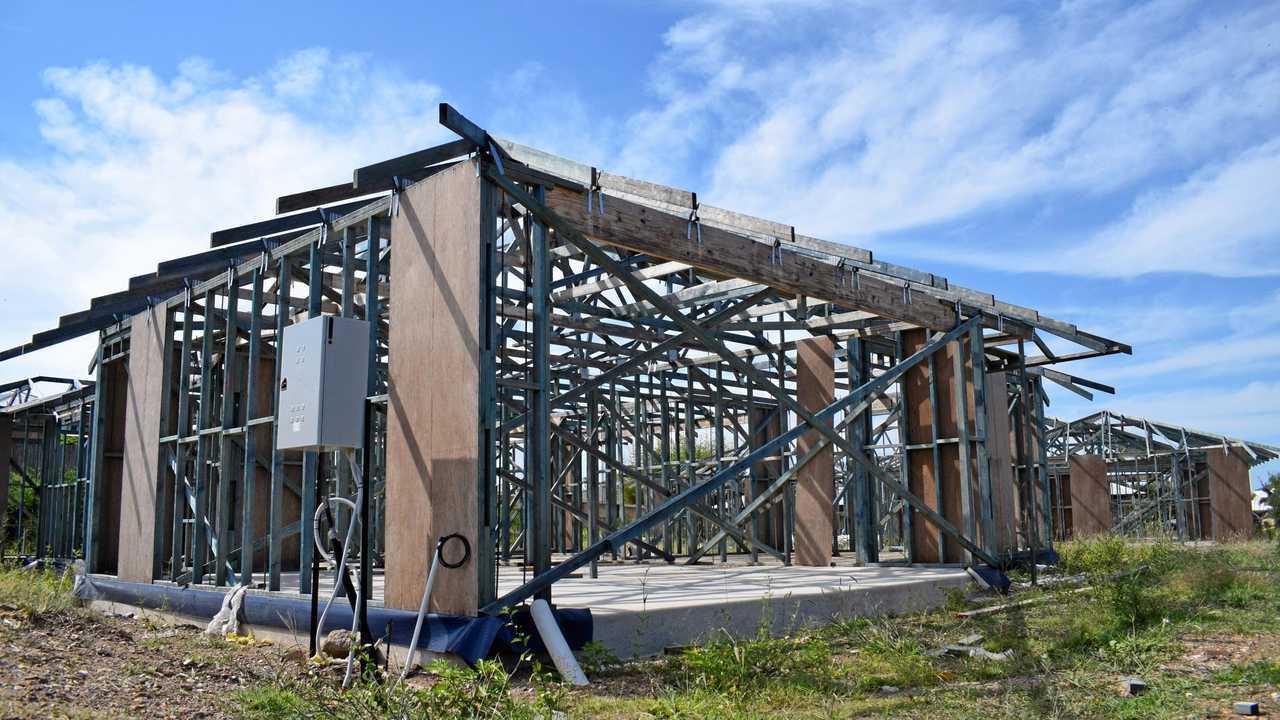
342,561
422,612
559,650
359,608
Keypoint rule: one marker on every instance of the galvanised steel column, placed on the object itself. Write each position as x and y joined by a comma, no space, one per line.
986,513
862,492
177,539
960,401
227,469
1042,465
593,479
537,430
275,539
249,474
95,470
310,458
200,531
486,493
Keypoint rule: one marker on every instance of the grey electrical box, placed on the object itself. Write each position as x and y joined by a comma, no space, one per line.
324,370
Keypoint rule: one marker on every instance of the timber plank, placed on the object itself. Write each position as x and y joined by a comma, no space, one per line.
642,229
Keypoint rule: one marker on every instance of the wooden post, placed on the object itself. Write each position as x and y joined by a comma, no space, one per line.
149,354
933,456
433,405
1230,496
1004,514
1090,496
815,484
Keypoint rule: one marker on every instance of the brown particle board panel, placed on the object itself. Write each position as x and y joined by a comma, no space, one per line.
149,348
815,484
1090,496
999,450
1230,496
924,479
434,389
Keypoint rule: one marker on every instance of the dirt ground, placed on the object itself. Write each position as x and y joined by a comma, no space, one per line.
71,665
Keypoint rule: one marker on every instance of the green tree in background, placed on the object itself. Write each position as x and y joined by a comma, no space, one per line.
1271,516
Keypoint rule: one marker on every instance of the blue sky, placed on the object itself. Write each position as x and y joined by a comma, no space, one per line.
1115,165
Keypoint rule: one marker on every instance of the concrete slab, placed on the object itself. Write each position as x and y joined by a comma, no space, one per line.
642,609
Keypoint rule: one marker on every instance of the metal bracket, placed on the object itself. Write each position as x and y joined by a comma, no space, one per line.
497,158
694,222
594,190
325,219
398,185
846,275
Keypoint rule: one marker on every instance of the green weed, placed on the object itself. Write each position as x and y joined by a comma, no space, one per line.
38,594
735,667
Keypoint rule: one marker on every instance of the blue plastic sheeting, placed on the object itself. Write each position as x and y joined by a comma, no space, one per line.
469,638
993,577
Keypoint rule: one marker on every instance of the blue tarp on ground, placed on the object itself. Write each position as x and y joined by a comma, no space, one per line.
469,638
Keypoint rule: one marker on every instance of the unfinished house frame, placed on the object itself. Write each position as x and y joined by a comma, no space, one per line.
46,446
1113,473
571,369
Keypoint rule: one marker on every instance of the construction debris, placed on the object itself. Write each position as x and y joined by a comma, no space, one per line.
1245,708
1132,686
227,621
970,646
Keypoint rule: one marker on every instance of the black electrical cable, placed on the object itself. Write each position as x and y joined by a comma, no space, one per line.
466,550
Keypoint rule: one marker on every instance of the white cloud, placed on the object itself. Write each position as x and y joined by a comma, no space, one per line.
877,121
1221,221
143,167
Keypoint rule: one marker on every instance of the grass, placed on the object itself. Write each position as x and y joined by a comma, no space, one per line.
1144,603
483,692
37,594
1145,608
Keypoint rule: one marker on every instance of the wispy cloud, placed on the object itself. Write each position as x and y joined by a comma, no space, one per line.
143,166
1149,126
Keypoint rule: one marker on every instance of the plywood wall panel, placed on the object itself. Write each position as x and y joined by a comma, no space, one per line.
149,347
1090,493
815,484
1230,496
1003,503
924,479
433,392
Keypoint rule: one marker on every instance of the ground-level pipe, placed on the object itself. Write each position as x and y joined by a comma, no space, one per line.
357,611
422,610
437,559
559,650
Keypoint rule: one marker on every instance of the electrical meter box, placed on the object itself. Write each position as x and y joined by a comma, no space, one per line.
324,370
